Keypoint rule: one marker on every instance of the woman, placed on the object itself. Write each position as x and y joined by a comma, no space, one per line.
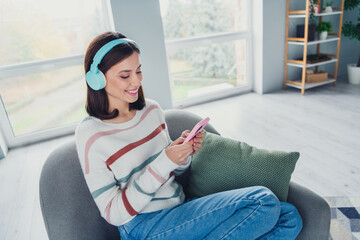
129,163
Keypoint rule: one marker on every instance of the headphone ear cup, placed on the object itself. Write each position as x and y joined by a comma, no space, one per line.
96,81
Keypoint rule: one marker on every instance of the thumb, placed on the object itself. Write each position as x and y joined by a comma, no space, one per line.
178,141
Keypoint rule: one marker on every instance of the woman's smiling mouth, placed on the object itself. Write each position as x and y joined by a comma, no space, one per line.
132,92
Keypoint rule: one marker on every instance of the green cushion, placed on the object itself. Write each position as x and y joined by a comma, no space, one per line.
223,164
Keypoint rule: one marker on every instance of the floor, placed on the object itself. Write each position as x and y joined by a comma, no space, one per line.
323,125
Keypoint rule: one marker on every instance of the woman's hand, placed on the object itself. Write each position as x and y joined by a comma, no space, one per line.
178,151
198,141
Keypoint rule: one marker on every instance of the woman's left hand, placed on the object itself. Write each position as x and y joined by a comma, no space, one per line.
198,140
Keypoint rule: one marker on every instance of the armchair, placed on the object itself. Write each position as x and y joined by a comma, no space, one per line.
70,213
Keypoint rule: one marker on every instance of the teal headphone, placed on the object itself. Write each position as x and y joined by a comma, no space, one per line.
94,77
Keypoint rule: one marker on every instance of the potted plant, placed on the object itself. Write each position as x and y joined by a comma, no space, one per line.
323,28
352,31
328,8
300,29
314,7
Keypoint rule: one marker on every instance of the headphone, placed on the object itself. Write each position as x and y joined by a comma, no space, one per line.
94,77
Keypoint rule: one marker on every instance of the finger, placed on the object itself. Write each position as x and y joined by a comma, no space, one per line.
197,147
199,140
189,144
201,134
185,133
184,146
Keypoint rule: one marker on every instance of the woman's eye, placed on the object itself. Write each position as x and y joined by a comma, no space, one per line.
124,77
139,72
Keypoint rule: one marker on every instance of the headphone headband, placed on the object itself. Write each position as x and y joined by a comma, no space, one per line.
105,49
95,78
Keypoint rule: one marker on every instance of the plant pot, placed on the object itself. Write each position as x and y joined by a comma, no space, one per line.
353,73
300,31
328,9
323,35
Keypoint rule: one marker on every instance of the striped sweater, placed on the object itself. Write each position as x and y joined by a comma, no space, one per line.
125,165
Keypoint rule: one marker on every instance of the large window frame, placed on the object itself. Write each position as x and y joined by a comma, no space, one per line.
57,63
27,68
189,42
24,68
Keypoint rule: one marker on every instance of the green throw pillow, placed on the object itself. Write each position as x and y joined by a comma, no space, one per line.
224,164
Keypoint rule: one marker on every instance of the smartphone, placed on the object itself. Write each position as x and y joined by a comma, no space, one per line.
197,129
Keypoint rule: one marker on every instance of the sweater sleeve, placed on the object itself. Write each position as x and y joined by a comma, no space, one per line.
119,205
180,169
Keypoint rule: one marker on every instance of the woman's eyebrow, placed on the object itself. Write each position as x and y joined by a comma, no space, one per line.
129,70
124,71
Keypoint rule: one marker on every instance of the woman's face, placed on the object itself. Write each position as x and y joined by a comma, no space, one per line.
123,81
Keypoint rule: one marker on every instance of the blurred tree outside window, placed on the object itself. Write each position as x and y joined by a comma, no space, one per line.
38,33
211,61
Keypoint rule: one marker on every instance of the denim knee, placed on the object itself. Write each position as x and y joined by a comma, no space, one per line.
295,222
269,203
299,223
265,196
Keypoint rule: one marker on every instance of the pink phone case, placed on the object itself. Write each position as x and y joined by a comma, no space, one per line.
198,128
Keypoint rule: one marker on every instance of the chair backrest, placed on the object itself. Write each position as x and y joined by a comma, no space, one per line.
68,209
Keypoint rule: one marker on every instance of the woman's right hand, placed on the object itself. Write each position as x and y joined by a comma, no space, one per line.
178,151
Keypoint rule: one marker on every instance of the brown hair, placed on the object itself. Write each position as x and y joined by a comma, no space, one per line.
97,103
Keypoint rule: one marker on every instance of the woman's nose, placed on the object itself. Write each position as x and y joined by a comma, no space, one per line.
136,80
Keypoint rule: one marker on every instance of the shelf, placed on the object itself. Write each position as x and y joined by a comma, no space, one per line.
312,64
310,85
316,15
310,59
329,39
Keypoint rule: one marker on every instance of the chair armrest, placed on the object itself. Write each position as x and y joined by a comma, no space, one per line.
314,211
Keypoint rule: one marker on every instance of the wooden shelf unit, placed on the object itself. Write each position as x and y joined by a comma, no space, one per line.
301,84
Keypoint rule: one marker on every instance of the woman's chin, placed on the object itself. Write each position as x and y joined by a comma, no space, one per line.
133,99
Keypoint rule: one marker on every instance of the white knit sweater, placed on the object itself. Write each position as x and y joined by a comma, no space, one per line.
125,165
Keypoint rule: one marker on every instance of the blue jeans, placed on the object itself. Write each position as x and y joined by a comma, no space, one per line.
247,213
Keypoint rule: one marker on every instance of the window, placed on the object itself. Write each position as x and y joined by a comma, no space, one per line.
42,84
208,43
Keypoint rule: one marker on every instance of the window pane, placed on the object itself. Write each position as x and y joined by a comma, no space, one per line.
188,18
44,100
207,69
41,29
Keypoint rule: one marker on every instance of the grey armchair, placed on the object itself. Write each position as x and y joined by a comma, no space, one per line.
70,213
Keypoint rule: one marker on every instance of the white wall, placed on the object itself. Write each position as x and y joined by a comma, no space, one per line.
274,22
349,49
3,147
269,20
257,25
141,21
3,144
